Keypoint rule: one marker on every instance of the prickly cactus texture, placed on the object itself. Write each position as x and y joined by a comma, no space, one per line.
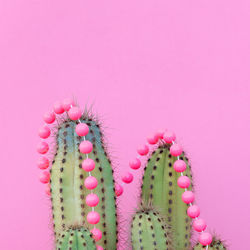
149,231
215,245
160,189
75,239
67,183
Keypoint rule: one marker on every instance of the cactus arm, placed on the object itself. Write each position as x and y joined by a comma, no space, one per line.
160,189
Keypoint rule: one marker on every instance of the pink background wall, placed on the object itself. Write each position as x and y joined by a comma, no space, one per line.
183,65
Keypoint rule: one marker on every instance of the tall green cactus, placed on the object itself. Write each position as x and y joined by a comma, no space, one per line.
67,183
160,189
149,231
75,239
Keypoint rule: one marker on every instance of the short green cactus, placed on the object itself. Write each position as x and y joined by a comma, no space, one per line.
75,239
215,245
67,177
149,231
160,189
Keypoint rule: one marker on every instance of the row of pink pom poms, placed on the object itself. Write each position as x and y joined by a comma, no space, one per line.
85,148
183,181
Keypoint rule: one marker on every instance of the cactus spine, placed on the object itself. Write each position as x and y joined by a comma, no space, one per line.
67,183
160,189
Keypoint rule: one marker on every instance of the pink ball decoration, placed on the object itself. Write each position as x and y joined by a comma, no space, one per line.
75,113
47,190
45,177
90,182
135,163
58,108
193,211
85,147
43,163
188,197
175,150
97,234
82,129
205,238
42,147
88,165
152,139
49,117
93,217
127,178
118,190
160,133
169,137
180,166
143,150
44,132
92,200
199,225
183,181
99,247
67,103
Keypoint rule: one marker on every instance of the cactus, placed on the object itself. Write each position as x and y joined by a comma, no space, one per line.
215,245
160,189
74,239
149,231
67,177
161,221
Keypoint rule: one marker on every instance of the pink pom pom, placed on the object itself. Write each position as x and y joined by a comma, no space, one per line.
85,147
175,150
44,132
43,163
135,163
42,147
47,190
75,113
160,133
88,165
188,197
67,103
180,166
205,239
82,129
49,117
90,182
183,181
45,177
169,137
152,139
199,225
97,234
127,178
58,108
118,189
143,150
193,211
99,247
92,200
93,217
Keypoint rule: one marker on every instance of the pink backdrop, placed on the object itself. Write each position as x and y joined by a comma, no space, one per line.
183,65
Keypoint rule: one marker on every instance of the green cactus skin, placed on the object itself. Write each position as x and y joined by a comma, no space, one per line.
75,239
160,189
149,231
215,245
67,182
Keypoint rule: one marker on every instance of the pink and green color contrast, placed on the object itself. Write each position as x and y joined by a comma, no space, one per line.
80,182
